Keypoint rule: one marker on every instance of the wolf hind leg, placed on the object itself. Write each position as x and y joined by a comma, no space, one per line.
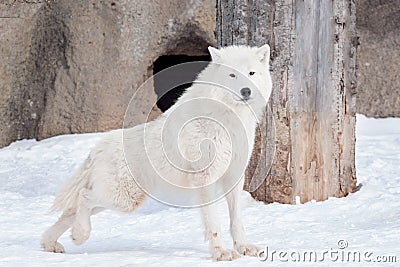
50,237
81,226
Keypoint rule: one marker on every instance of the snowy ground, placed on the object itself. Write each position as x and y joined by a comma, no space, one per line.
158,235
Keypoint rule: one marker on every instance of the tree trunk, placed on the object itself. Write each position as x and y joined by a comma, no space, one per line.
308,133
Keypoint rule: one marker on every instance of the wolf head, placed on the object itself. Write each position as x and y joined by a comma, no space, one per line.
243,71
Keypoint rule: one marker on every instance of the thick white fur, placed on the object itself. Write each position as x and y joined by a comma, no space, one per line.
128,163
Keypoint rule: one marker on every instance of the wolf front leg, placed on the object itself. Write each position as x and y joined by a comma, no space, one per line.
237,230
213,229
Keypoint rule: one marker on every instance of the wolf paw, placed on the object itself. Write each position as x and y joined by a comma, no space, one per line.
222,254
247,249
79,235
53,247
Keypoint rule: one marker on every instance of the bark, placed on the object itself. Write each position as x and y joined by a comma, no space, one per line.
308,133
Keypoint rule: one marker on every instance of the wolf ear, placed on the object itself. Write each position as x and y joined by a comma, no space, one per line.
263,53
215,53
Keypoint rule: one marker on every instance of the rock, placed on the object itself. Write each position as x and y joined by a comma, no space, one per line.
73,66
378,25
17,107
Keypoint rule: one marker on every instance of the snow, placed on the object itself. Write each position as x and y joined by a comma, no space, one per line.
159,235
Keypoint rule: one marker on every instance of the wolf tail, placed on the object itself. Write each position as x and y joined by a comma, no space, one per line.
67,197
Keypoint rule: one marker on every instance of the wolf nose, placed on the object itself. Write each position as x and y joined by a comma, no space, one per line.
245,92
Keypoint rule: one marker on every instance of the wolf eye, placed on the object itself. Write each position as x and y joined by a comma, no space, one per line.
251,73
232,75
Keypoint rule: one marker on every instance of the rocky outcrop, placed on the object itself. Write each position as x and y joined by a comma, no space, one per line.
378,25
17,110
72,66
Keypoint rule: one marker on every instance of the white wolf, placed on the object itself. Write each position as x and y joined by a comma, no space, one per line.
196,152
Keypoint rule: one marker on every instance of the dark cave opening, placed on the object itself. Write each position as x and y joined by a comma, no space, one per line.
168,84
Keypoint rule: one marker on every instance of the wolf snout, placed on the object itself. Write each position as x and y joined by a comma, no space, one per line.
245,92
